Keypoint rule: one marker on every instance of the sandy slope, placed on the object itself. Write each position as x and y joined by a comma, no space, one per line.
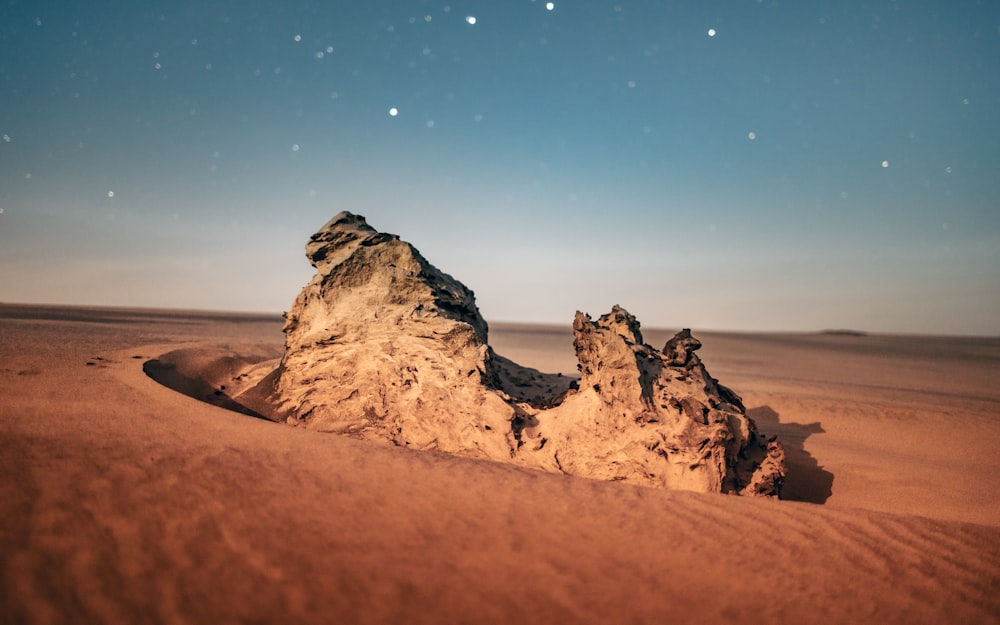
123,501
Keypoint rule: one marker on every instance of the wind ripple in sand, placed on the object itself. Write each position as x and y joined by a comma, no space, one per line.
908,569
216,533
122,501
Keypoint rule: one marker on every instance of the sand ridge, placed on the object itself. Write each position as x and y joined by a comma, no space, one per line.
124,501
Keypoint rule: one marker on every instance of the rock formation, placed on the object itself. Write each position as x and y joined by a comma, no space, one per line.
383,346
656,417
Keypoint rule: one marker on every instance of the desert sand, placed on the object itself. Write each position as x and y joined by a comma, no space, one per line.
125,501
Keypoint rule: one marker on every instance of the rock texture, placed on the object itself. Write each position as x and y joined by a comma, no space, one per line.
383,346
657,417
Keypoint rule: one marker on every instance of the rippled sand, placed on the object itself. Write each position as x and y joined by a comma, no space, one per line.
122,500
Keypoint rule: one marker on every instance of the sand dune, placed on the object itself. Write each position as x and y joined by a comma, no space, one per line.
122,500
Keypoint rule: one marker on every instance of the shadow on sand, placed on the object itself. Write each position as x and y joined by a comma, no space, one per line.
806,479
167,374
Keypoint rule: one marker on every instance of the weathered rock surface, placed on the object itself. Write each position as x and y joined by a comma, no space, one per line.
656,417
383,346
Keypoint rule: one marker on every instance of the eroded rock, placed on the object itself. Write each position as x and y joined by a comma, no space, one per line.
656,417
383,346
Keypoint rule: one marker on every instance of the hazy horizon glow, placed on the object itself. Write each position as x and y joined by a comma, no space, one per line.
758,165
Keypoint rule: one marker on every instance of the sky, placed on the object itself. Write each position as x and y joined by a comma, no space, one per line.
762,165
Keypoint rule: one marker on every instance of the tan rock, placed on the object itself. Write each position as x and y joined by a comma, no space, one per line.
383,346
656,418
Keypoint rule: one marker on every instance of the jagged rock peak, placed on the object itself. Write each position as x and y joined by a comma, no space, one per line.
389,277
679,350
336,240
623,323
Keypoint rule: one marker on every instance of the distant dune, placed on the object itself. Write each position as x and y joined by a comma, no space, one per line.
122,500
843,332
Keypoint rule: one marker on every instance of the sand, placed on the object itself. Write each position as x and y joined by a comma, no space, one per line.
123,501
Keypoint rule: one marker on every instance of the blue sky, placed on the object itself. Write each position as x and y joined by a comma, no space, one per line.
721,165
